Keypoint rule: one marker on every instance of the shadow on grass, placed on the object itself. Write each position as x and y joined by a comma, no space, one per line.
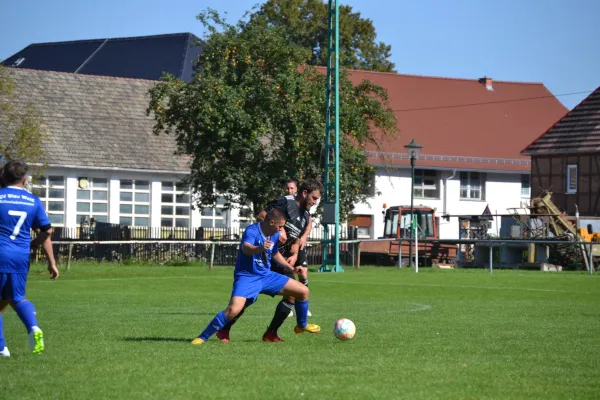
156,339
180,340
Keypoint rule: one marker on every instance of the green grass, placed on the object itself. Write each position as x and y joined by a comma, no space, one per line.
124,332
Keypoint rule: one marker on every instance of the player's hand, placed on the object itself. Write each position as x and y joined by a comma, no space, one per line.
268,244
303,242
282,237
292,260
298,269
53,271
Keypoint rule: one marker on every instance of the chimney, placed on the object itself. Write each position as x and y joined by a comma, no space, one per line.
487,82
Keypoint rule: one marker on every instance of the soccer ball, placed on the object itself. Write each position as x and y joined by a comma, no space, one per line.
344,329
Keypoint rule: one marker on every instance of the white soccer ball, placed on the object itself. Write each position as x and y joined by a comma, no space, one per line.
344,329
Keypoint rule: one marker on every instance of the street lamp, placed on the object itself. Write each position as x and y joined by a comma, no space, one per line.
413,149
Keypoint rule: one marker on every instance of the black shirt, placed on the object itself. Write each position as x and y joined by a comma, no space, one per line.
297,219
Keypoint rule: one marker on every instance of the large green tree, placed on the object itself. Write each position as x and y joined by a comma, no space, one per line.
22,132
254,115
304,22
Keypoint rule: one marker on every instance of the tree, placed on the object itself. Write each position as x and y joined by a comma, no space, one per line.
305,23
254,115
22,132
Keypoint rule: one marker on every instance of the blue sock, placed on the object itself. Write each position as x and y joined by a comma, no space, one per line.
2,341
301,313
217,323
26,311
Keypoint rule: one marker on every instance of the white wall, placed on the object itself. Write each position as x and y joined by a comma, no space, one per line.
502,190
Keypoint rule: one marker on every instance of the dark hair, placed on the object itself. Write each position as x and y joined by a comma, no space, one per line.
14,171
310,185
1,177
275,215
291,180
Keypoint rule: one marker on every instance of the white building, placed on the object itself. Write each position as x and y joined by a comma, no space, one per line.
472,132
104,162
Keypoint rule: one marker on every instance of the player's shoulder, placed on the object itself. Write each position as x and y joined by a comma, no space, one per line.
251,230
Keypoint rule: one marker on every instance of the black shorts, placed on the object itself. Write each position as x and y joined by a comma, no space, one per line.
301,261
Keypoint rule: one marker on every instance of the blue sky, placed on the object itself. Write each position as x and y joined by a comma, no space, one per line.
556,42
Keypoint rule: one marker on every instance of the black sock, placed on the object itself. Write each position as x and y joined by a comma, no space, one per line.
281,313
304,282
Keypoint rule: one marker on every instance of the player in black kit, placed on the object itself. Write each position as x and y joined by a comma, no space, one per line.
296,209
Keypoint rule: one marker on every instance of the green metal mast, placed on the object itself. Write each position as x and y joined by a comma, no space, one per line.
331,198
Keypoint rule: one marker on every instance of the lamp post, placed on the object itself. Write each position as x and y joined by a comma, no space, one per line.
413,149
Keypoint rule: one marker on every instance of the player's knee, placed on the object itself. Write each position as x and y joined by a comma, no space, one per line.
233,310
302,293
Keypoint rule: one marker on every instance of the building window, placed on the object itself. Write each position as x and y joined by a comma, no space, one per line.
472,185
363,224
92,200
214,217
426,184
571,178
526,185
51,191
175,205
134,203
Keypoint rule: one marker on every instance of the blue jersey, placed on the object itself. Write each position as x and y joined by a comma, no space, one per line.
256,264
20,211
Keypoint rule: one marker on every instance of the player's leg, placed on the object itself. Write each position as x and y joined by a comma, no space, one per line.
244,287
302,262
26,311
300,293
283,285
3,303
223,333
283,307
235,306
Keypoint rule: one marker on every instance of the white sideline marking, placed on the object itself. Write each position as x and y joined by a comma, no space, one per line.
323,281
455,286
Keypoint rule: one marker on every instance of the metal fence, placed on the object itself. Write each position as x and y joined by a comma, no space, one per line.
214,246
219,246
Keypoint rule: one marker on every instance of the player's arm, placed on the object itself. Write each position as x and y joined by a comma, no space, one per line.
304,237
49,251
43,238
261,216
249,249
279,259
294,253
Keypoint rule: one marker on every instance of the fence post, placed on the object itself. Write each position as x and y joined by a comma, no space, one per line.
591,258
491,256
399,253
69,258
212,256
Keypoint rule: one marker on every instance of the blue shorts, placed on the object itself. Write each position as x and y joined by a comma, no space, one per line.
12,286
250,286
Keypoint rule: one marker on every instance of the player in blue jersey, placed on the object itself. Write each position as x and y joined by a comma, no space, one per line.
295,209
20,211
253,276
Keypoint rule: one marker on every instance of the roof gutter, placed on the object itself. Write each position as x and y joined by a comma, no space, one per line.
445,202
80,167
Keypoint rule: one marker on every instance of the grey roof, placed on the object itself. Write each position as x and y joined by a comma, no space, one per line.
578,132
96,121
140,57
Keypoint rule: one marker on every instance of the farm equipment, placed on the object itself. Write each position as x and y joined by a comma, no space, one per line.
398,226
559,224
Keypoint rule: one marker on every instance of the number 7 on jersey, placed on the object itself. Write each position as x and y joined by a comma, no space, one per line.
22,215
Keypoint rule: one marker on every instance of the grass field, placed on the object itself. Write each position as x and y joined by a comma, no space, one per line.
124,332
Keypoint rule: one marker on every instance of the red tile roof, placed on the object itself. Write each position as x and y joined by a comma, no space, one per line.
461,124
578,132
